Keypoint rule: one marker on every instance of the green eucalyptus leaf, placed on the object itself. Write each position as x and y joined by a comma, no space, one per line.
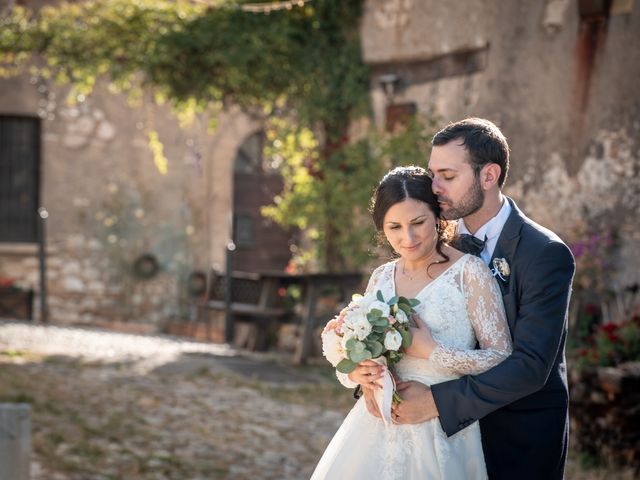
380,296
360,356
346,366
376,348
359,346
407,338
405,308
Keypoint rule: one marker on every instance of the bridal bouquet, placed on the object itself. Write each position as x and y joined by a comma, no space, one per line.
370,327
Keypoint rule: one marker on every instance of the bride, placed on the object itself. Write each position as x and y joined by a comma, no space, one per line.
460,307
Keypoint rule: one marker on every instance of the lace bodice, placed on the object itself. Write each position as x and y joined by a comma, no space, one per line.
461,307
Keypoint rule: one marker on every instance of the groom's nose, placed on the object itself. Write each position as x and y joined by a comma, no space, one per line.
436,187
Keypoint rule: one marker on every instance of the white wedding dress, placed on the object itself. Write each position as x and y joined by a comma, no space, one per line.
462,307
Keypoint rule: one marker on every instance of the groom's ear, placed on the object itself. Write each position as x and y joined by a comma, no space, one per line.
489,175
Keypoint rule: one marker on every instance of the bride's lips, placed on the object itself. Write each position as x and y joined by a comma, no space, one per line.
412,248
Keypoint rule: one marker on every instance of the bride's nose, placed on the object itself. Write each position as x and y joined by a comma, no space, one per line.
409,237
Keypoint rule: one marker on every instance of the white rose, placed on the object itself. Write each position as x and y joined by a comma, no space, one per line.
351,319
362,328
401,317
382,306
347,336
358,301
332,348
392,340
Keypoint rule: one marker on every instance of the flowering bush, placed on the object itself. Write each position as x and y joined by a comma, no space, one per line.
611,344
8,284
594,252
368,328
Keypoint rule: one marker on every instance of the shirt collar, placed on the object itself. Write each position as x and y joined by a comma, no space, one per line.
492,228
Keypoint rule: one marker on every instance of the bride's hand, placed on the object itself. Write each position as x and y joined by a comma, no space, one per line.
367,374
423,343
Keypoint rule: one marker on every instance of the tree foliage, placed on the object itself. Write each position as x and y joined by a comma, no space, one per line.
300,70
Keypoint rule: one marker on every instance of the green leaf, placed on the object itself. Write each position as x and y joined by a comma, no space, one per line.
346,366
405,308
393,300
403,301
379,321
351,343
414,302
407,338
360,356
374,313
379,296
375,347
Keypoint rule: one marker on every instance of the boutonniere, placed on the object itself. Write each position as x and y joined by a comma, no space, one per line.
500,269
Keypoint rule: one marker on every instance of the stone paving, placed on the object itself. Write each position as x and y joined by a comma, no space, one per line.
108,405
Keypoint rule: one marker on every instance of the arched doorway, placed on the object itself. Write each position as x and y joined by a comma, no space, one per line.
261,244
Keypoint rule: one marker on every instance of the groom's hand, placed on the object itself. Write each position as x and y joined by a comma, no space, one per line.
417,404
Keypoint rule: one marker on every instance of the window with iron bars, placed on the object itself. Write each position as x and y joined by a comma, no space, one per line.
19,178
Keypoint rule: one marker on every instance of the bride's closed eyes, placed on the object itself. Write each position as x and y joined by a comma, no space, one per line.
394,227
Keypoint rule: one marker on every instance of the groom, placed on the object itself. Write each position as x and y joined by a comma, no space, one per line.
522,403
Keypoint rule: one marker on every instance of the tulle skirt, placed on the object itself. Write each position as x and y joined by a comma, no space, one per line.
365,448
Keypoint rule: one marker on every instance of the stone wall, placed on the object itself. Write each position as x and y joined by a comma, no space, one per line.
110,201
559,79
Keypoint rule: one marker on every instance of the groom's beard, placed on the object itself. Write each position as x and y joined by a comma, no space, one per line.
470,203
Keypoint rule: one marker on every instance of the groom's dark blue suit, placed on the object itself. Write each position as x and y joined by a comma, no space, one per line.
522,403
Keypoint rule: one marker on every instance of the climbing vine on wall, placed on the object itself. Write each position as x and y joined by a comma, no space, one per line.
298,69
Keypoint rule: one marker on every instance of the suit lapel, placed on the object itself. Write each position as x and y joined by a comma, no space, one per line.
507,244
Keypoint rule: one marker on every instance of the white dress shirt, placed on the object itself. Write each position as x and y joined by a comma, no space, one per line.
489,231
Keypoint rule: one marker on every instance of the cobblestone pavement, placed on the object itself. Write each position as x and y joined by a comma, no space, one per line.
117,406
114,406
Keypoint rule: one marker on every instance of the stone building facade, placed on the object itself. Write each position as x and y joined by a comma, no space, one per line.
558,76
560,79
113,205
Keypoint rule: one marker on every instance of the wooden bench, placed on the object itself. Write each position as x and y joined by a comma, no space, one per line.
253,299
16,304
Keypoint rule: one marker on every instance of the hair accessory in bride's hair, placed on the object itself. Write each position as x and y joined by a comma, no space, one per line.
500,269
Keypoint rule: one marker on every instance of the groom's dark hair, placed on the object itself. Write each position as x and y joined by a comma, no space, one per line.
482,139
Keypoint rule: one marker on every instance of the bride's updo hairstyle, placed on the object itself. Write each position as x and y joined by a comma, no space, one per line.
400,184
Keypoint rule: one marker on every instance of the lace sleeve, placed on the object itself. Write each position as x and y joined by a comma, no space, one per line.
489,322
374,283
375,279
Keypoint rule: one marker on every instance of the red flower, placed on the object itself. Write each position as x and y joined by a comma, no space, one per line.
591,309
609,327
282,291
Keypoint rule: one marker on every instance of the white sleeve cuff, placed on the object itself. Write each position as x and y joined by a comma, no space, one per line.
344,379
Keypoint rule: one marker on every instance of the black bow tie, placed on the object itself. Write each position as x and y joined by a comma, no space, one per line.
469,244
